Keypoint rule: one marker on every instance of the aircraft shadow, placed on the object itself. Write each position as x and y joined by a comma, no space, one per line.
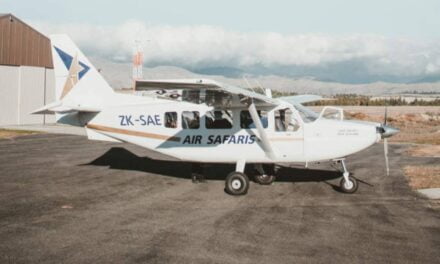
122,159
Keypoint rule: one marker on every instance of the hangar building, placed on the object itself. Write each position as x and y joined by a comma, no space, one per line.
26,73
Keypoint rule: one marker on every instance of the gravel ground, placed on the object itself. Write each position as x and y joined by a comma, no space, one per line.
64,199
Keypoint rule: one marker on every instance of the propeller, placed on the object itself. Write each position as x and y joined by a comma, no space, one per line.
385,144
386,132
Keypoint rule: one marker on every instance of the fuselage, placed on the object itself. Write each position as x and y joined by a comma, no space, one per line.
202,133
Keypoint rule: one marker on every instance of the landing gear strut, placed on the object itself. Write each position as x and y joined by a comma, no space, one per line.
197,173
348,184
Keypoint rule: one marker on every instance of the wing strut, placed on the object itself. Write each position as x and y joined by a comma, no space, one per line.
263,136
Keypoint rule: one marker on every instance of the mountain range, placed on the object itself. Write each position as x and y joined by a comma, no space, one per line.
119,77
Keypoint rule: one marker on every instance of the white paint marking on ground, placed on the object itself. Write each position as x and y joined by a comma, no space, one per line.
431,193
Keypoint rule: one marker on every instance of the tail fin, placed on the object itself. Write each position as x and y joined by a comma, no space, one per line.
78,85
73,69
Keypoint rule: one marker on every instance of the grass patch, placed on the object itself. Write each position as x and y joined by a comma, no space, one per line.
422,177
424,151
12,133
414,128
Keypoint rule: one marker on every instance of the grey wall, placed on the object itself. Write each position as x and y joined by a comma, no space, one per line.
50,94
22,90
9,85
31,94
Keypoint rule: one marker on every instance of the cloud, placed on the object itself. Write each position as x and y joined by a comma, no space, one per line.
210,46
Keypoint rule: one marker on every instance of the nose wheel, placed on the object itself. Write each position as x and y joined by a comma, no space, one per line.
347,184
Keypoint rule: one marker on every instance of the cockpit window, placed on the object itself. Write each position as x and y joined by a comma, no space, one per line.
332,113
219,119
247,122
285,121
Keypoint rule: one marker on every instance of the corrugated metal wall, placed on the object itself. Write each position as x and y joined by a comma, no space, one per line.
9,86
31,94
20,44
49,94
24,89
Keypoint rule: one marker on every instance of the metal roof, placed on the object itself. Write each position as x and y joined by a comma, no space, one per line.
22,45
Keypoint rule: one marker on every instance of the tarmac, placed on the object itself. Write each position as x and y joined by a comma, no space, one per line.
49,128
64,199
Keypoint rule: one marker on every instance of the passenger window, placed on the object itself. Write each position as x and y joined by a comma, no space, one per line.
190,120
171,119
284,121
247,122
220,119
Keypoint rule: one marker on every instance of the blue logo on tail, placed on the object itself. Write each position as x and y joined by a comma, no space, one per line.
67,59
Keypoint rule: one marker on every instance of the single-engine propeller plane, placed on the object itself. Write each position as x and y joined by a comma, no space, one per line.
204,121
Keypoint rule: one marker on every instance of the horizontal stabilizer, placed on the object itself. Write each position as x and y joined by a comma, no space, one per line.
60,108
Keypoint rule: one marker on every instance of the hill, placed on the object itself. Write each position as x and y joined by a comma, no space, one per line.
119,76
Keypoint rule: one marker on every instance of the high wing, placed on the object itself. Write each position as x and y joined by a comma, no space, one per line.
208,84
203,84
168,84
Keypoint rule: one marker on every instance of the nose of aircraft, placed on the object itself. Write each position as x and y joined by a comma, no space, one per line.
387,131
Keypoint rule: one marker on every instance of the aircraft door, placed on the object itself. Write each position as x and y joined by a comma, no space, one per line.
288,134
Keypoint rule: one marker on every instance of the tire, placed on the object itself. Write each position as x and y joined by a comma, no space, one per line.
237,183
264,179
348,187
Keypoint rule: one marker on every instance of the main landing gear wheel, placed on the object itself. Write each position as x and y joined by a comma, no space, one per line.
265,179
348,186
237,183
266,174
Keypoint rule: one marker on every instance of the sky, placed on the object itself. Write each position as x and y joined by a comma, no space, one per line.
363,40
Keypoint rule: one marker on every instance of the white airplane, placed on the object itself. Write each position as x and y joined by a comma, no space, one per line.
203,121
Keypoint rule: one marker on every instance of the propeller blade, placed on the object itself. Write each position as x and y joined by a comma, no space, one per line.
385,116
385,151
